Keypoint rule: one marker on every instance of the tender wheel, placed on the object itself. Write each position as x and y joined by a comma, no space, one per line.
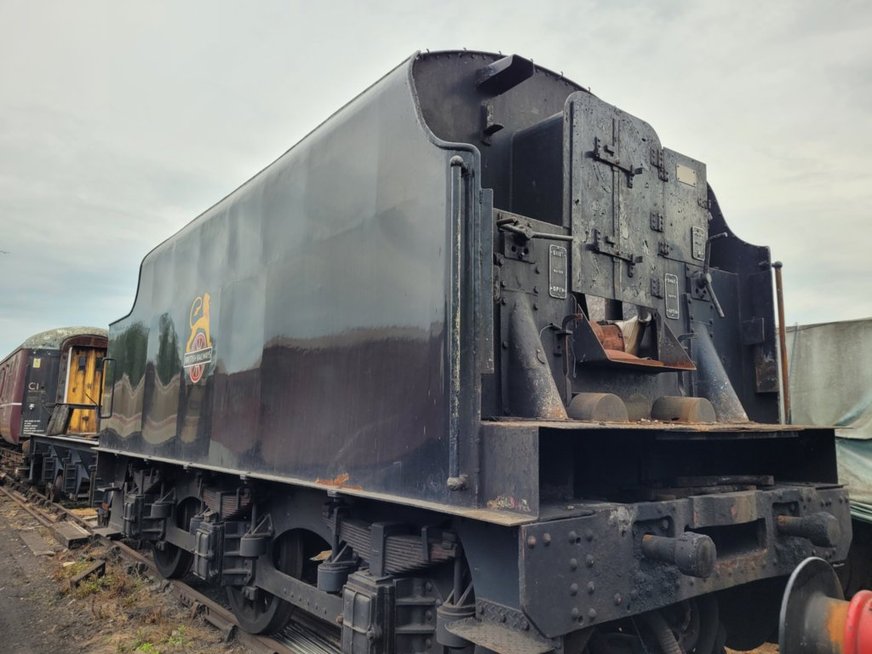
260,612
173,562
55,490
698,627
690,626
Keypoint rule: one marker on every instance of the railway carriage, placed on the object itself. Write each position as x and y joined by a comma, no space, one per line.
50,390
477,365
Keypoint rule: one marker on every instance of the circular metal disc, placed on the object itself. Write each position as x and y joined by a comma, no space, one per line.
812,577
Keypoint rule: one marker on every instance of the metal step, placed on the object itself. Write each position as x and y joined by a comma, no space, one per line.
70,479
49,470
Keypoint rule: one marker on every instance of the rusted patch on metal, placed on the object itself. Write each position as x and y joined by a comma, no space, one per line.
509,503
339,481
693,410
609,336
837,618
730,565
611,339
619,356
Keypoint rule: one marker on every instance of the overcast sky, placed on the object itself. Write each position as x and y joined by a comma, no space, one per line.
121,121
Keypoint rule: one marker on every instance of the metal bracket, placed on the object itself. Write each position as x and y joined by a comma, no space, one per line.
525,232
657,161
656,287
606,153
489,124
379,533
604,244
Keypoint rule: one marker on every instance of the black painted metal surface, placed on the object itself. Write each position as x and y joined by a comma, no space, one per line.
332,322
593,569
302,326
404,305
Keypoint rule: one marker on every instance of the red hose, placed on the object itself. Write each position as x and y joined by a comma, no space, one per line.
858,626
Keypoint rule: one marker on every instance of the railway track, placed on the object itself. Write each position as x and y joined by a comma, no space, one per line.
302,635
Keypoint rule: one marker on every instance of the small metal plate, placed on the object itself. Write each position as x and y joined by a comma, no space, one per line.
557,271
697,243
673,309
685,175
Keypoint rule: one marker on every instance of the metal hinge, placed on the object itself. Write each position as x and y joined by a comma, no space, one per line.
604,244
607,153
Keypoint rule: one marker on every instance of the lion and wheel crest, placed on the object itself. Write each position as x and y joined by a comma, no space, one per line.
198,350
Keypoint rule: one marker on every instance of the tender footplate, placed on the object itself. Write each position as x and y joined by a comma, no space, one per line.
625,559
498,637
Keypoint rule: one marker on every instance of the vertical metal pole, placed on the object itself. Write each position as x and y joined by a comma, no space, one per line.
69,372
458,199
782,340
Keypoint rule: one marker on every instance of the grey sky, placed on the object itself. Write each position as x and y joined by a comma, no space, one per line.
119,122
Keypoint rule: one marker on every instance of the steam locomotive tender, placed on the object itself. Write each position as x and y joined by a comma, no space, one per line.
477,364
49,395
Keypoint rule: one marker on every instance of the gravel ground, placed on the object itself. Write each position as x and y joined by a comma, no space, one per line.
121,612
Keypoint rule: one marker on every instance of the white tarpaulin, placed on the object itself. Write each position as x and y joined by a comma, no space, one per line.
830,369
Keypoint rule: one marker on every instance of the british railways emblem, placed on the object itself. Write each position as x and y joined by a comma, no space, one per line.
198,351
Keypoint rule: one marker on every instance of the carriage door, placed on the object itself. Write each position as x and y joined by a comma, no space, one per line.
83,386
40,389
